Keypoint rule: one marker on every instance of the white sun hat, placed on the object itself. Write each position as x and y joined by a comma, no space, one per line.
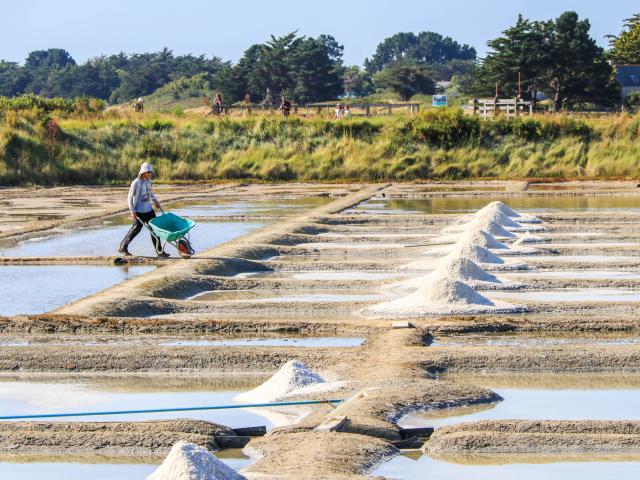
145,168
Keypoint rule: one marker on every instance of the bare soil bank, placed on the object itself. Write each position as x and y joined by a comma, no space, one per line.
536,437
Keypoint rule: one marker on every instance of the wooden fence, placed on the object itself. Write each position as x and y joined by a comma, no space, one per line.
368,110
489,108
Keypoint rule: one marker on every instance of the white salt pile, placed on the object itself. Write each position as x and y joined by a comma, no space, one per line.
461,269
491,227
476,253
496,213
292,376
517,216
528,237
187,461
485,223
442,295
464,269
483,239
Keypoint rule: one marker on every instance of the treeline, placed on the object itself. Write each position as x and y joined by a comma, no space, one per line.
302,68
554,59
115,78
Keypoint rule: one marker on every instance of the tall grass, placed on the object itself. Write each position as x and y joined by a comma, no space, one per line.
108,147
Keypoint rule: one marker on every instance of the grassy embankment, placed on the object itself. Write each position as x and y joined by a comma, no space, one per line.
100,148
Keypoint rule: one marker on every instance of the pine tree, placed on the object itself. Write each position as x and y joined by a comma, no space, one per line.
625,48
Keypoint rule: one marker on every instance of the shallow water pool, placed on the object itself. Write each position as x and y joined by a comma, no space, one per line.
266,296
33,289
324,275
586,274
106,240
26,395
570,295
608,396
424,467
541,339
266,207
305,342
98,468
466,204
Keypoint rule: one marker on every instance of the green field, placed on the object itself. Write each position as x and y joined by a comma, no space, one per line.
107,147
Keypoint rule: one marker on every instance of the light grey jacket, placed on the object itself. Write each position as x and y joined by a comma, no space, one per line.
140,196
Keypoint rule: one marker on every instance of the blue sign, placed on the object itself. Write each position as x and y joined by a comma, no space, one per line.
439,100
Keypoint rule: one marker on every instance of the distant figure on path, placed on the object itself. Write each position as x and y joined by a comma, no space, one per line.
285,107
217,104
338,112
347,112
247,102
139,105
139,201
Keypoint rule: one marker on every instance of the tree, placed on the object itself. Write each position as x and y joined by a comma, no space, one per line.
557,57
301,68
40,64
625,48
13,79
425,48
406,79
53,58
521,53
357,82
577,70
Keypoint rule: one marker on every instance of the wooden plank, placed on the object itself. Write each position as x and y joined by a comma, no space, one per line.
332,424
231,441
416,432
402,324
259,431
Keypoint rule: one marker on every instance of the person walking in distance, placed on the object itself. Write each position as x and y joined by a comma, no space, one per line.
285,107
139,201
217,104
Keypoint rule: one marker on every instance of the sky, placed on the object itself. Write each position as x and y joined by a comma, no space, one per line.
226,28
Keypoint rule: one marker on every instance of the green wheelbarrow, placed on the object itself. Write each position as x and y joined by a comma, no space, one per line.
174,230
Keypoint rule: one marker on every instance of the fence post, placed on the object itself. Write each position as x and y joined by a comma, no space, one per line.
389,109
367,111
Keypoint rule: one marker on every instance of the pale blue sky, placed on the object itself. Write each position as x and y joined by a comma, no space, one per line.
226,28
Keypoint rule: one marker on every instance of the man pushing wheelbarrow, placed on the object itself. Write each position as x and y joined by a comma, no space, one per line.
168,227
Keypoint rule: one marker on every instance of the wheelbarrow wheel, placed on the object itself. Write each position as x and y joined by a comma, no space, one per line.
184,248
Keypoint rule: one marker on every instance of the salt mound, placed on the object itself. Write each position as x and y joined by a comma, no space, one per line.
444,291
442,295
483,239
510,212
502,207
475,253
463,268
528,238
292,376
187,461
492,227
499,217
487,224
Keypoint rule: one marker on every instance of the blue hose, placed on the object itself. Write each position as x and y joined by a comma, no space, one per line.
164,410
